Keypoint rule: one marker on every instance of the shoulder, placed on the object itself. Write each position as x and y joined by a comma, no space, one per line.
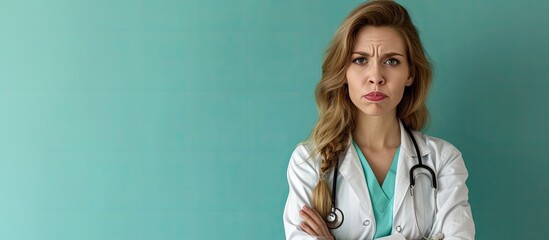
303,160
303,153
444,151
438,144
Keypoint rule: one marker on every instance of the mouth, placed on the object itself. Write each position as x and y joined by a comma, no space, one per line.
375,96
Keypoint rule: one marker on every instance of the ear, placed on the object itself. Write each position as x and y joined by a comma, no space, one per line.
409,81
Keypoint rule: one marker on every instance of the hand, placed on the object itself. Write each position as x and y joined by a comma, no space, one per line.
314,224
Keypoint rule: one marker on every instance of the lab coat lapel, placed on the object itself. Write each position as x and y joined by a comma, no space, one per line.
406,160
351,170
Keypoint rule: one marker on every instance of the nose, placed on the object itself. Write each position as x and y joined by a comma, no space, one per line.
376,76
378,81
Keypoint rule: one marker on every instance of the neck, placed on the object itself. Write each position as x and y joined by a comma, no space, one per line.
377,132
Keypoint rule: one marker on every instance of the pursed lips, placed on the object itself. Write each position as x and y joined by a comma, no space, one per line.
375,96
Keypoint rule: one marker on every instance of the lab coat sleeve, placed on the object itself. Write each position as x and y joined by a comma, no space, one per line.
302,178
395,236
454,218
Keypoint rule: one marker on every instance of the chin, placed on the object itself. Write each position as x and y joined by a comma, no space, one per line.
376,111
373,113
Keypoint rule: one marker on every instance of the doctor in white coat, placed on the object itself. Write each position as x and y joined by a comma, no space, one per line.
375,79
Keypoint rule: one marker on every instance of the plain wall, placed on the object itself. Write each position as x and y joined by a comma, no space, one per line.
176,119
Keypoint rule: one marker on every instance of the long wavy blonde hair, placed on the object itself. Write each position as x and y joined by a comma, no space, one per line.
336,111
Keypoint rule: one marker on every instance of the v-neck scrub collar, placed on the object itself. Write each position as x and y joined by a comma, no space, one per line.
381,196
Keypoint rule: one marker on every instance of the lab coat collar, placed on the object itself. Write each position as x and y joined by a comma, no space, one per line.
351,169
407,144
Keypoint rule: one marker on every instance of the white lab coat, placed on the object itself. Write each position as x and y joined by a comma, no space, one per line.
454,218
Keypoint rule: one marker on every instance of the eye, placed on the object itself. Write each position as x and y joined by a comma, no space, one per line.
360,60
392,62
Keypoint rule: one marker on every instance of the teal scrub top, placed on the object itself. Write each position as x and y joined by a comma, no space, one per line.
381,196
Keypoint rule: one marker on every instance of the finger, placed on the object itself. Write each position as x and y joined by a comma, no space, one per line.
314,216
305,227
309,222
320,224
320,218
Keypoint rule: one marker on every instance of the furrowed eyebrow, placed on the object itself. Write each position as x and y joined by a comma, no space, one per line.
389,54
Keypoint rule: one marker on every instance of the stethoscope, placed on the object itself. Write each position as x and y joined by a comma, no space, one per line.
334,219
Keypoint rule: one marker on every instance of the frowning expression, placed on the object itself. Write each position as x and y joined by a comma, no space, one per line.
378,71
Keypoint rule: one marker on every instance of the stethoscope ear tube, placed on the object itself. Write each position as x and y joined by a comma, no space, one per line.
431,172
413,182
420,163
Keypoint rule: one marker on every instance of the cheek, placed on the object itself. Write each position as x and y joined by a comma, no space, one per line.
348,76
353,88
400,94
352,81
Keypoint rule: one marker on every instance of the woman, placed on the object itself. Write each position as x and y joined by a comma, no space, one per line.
352,179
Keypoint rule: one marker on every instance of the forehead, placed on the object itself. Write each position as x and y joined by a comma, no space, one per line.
383,39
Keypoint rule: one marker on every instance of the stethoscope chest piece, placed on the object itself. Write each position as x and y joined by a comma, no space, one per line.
334,218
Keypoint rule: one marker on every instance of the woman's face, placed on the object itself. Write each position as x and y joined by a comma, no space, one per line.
378,72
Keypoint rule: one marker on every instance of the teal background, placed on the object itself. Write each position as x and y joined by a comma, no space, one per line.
176,119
